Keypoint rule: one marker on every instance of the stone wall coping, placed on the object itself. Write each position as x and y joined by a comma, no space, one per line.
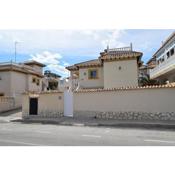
172,85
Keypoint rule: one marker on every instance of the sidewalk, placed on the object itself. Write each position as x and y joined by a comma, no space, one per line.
89,121
10,115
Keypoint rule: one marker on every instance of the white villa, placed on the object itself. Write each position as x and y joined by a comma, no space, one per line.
114,68
17,78
164,70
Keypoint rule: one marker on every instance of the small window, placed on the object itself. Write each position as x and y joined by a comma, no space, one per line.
33,80
172,51
38,82
168,54
93,74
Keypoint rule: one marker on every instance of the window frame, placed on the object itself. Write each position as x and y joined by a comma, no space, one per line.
89,74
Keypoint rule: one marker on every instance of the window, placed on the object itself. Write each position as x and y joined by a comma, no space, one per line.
33,80
38,82
93,74
168,54
172,51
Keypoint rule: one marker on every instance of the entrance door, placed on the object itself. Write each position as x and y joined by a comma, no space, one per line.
33,106
68,104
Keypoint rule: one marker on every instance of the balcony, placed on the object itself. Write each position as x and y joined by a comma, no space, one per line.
163,68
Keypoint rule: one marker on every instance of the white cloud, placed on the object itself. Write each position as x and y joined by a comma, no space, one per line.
52,60
109,37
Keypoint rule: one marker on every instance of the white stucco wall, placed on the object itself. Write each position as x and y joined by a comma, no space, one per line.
85,82
18,83
33,86
37,68
127,76
143,100
5,83
48,103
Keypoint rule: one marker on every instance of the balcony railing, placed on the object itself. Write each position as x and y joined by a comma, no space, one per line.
120,49
166,66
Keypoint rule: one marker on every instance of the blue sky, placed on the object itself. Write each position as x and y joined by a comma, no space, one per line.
60,48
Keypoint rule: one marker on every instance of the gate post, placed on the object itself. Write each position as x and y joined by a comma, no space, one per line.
68,103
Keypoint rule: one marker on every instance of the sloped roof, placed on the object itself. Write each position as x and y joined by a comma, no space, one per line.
110,55
33,62
94,62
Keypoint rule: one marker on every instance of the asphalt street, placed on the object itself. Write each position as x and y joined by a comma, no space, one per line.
19,134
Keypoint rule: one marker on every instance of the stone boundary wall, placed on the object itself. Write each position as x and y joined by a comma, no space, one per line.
136,104
127,115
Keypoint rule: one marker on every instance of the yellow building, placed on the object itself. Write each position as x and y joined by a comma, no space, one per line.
116,67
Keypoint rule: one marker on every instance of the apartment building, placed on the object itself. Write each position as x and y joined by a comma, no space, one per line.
164,70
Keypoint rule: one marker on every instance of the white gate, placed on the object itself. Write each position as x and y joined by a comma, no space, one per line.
68,103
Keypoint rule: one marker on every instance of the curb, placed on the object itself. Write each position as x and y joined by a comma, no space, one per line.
121,125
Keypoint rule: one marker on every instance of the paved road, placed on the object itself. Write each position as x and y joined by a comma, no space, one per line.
18,134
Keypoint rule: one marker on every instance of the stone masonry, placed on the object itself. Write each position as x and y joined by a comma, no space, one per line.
131,115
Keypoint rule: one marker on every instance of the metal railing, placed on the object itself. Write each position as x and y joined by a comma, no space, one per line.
120,49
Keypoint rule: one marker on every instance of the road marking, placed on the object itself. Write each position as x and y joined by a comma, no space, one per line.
95,136
162,141
23,143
